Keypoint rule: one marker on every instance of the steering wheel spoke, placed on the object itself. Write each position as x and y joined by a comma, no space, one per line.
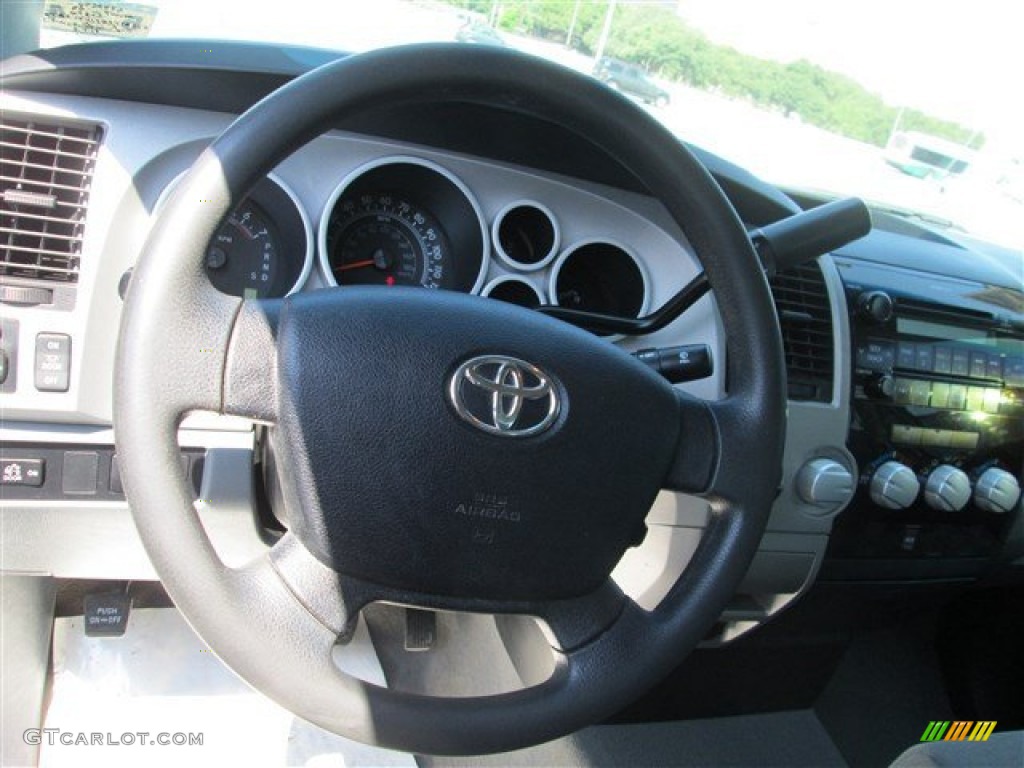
320,589
698,453
250,362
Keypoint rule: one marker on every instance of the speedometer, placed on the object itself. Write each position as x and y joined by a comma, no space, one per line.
385,239
404,221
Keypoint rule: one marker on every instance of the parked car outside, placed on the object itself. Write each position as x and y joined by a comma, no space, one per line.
482,33
631,79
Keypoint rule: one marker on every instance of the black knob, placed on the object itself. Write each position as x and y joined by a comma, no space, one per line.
875,306
880,386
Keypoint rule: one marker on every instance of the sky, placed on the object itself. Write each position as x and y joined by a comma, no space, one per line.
955,59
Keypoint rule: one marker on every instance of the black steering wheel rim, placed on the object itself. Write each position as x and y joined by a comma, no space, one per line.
183,347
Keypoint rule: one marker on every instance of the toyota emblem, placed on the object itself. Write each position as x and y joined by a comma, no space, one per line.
504,396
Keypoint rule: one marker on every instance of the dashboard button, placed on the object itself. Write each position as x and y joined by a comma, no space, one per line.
905,435
925,358
53,362
993,397
979,365
80,471
937,438
876,355
957,397
901,391
919,392
906,355
22,472
961,362
965,440
995,367
940,395
975,398
1013,371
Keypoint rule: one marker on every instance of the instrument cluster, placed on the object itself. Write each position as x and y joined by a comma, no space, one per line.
408,221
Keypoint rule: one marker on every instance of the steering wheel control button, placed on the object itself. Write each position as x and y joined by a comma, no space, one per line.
678,364
53,362
28,472
824,483
894,486
996,491
504,396
947,489
80,472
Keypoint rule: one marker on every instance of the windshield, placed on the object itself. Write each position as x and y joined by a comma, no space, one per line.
912,105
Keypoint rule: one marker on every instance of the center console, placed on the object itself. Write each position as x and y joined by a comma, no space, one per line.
937,425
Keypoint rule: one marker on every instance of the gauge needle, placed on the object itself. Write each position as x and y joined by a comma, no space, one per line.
379,260
355,265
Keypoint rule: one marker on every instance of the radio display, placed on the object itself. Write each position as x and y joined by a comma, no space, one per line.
928,330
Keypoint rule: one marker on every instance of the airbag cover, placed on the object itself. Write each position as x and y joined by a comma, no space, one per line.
386,482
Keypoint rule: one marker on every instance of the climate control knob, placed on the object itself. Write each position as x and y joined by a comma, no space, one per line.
824,483
894,486
947,489
996,491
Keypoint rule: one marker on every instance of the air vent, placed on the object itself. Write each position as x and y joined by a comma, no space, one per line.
45,175
805,316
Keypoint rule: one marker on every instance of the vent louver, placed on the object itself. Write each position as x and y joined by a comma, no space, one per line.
805,316
46,172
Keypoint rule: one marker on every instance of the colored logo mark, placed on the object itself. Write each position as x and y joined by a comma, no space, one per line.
958,730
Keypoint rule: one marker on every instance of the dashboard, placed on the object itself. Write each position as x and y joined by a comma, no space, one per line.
904,350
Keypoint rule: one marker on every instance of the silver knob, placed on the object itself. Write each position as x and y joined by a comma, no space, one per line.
824,482
996,491
947,489
894,486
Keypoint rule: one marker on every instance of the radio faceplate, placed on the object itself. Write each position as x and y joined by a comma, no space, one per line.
937,417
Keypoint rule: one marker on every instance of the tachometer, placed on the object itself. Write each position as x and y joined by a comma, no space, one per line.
385,239
243,256
264,248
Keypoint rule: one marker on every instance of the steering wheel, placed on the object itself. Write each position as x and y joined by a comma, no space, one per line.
393,492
